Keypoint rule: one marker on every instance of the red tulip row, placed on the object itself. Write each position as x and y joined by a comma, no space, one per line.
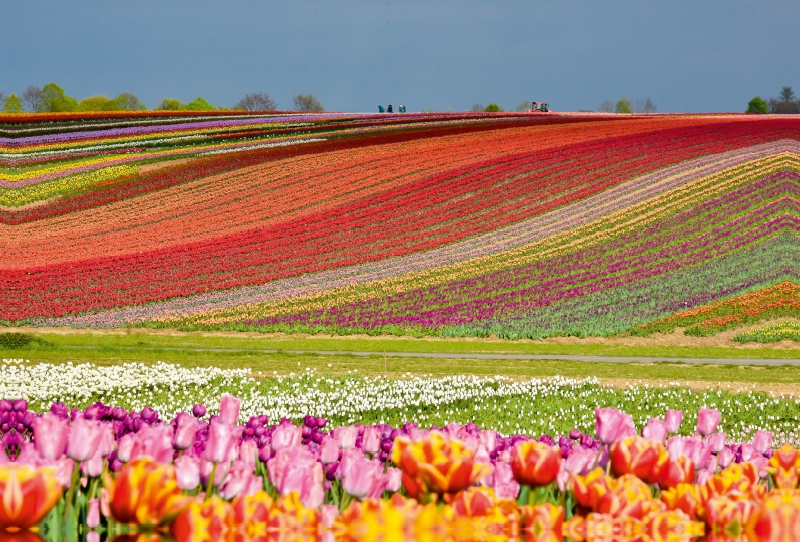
424,214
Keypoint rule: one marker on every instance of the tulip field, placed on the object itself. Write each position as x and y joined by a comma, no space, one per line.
513,225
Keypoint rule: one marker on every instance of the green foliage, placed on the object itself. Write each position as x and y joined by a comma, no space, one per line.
623,106
98,103
198,104
55,101
13,341
128,102
13,104
757,105
524,106
308,102
170,104
493,108
786,95
771,334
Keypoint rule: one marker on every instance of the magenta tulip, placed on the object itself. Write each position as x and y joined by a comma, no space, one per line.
229,409
674,419
50,435
707,421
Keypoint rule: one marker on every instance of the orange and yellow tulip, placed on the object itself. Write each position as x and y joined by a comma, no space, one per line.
535,463
544,522
686,498
641,457
677,472
252,515
209,521
777,521
27,495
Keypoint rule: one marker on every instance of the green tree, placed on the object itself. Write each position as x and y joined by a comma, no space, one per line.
13,104
170,104
493,108
786,95
55,101
128,102
757,105
199,104
524,106
623,106
98,103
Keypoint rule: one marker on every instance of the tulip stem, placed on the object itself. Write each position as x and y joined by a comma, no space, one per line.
210,485
597,457
75,479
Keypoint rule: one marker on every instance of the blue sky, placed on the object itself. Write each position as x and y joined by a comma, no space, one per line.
427,54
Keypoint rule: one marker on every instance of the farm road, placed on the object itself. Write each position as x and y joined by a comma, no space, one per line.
522,357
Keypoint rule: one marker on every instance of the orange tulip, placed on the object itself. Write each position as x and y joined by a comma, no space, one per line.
27,495
676,472
590,488
739,481
436,466
251,513
777,521
686,498
378,520
145,492
785,466
535,463
208,521
20,536
674,525
638,456
629,496
289,514
732,517
544,522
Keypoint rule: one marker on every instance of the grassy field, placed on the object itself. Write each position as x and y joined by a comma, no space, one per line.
247,352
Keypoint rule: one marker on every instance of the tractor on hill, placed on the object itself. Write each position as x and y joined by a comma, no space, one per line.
539,107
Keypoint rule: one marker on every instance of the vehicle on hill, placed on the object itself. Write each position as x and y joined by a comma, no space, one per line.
539,107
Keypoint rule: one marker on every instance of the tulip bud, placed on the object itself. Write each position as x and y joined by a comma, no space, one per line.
762,441
93,514
371,440
185,431
229,409
219,444
673,420
198,410
707,421
346,436
50,435
84,438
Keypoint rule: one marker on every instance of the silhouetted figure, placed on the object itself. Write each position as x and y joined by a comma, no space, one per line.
381,109
389,109
401,109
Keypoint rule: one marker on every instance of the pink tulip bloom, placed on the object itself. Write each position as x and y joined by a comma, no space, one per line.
219,475
92,536
707,421
562,479
93,514
64,468
371,440
580,460
613,425
694,448
347,436
238,480
286,436
229,409
154,442
761,463
674,419
125,447
248,451
84,439
725,458
185,431
328,514
703,476
349,458
187,472
329,450
762,441
504,484
364,479
93,466
50,435
717,441
656,430
748,450
221,440
394,479
488,439
295,469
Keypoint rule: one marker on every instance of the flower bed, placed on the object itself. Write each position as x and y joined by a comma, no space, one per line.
773,333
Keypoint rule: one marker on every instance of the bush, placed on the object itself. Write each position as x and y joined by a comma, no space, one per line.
757,105
11,341
13,104
623,106
493,108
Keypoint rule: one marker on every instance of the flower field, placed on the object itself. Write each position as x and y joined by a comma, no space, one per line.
448,224
131,451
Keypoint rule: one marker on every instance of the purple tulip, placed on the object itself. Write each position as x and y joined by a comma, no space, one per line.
199,410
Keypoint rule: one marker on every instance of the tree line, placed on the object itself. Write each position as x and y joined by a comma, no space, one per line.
785,104
52,99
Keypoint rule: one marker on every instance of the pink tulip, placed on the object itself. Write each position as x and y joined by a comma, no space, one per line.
64,468
703,476
712,464
50,435
717,442
248,451
673,420
92,536
238,480
504,484
656,430
286,436
329,450
93,466
580,461
295,469
187,472
394,479
725,458
155,442
328,514
488,439
694,448
93,514
229,409
185,431
206,467
762,441
221,440
747,451
84,439
707,421
349,459
347,436
125,447
371,440
613,425
562,479
762,464
364,479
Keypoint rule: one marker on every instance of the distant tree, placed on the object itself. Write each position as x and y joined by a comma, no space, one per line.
55,101
478,108
757,105
256,101
606,107
13,104
623,106
645,106
32,99
169,104
785,104
199,104
493,108
128,102
2,99
98,103
307,102
786,95
524,106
